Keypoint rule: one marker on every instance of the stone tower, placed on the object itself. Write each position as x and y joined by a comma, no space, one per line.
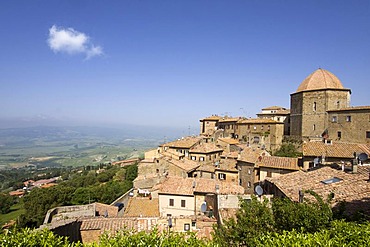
319,92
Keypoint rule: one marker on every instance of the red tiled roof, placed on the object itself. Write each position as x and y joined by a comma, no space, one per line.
142,207
205,148
336,149
184,164
351,187
187,186
250,155
278,162
187,142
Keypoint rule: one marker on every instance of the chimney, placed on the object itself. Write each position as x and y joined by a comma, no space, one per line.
354,163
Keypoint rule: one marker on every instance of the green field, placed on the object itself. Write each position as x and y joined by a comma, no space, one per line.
16,210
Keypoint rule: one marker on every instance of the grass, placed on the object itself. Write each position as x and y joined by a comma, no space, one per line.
16,211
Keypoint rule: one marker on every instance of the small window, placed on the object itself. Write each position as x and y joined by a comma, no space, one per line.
278,119
338,104
222,176
269,174
348,118
334,119
367,134
186,227
193,158
249,184
249,171
314,106
256,139
314,127
201,158
172,202
254,127
193,224
339,134
183,203
240,181
331,180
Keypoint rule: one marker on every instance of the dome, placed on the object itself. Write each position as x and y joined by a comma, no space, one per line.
320,79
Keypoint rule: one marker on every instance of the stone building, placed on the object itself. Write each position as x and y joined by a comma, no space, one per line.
319,93
279,114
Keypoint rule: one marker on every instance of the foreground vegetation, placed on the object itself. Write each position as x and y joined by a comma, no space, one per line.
282,223
339,233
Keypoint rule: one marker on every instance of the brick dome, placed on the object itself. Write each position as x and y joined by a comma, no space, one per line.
320,79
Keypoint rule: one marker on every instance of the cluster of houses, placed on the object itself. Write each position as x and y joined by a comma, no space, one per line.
195,182
31,184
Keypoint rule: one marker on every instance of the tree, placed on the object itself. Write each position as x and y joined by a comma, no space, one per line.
310,216
6,201
288,150
252,219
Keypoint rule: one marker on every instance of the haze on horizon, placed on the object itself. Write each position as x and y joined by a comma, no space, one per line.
171,63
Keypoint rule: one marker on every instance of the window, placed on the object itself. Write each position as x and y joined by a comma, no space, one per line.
314,106
172,202
331,180
256,139
183,203
254,127
222,176
314,127
338,104
193,158
269,174
339,134
249,184
367,134
240,181
334,119
278,119
201,158
261,127
186,227
249,171
348,118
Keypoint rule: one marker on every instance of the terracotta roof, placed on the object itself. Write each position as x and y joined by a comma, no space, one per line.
335,149
227,165
206,168
278,162
250,155
275,107
205,148
320,79
259,121
351,187
229,119
229,140
189,186
108,224
142,207
16,193
353,108
211,118
185,164
231,155
186,142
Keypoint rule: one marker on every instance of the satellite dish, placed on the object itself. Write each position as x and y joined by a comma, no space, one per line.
258,190
203,207
363,156
316,161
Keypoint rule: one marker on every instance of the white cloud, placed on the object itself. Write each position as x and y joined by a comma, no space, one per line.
72,42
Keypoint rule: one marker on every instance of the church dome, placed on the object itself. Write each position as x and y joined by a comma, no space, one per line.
320,79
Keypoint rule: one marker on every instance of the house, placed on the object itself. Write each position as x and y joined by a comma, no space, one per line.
205,153
349,187
254,165
325,152
279,114
185,196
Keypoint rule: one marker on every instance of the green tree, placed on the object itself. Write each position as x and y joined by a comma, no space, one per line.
288,150
6,201
252,219
131,172
310,216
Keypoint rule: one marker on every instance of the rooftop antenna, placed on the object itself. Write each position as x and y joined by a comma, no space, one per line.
203,207
363,157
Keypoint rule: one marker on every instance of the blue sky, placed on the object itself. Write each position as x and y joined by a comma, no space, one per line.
171,63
